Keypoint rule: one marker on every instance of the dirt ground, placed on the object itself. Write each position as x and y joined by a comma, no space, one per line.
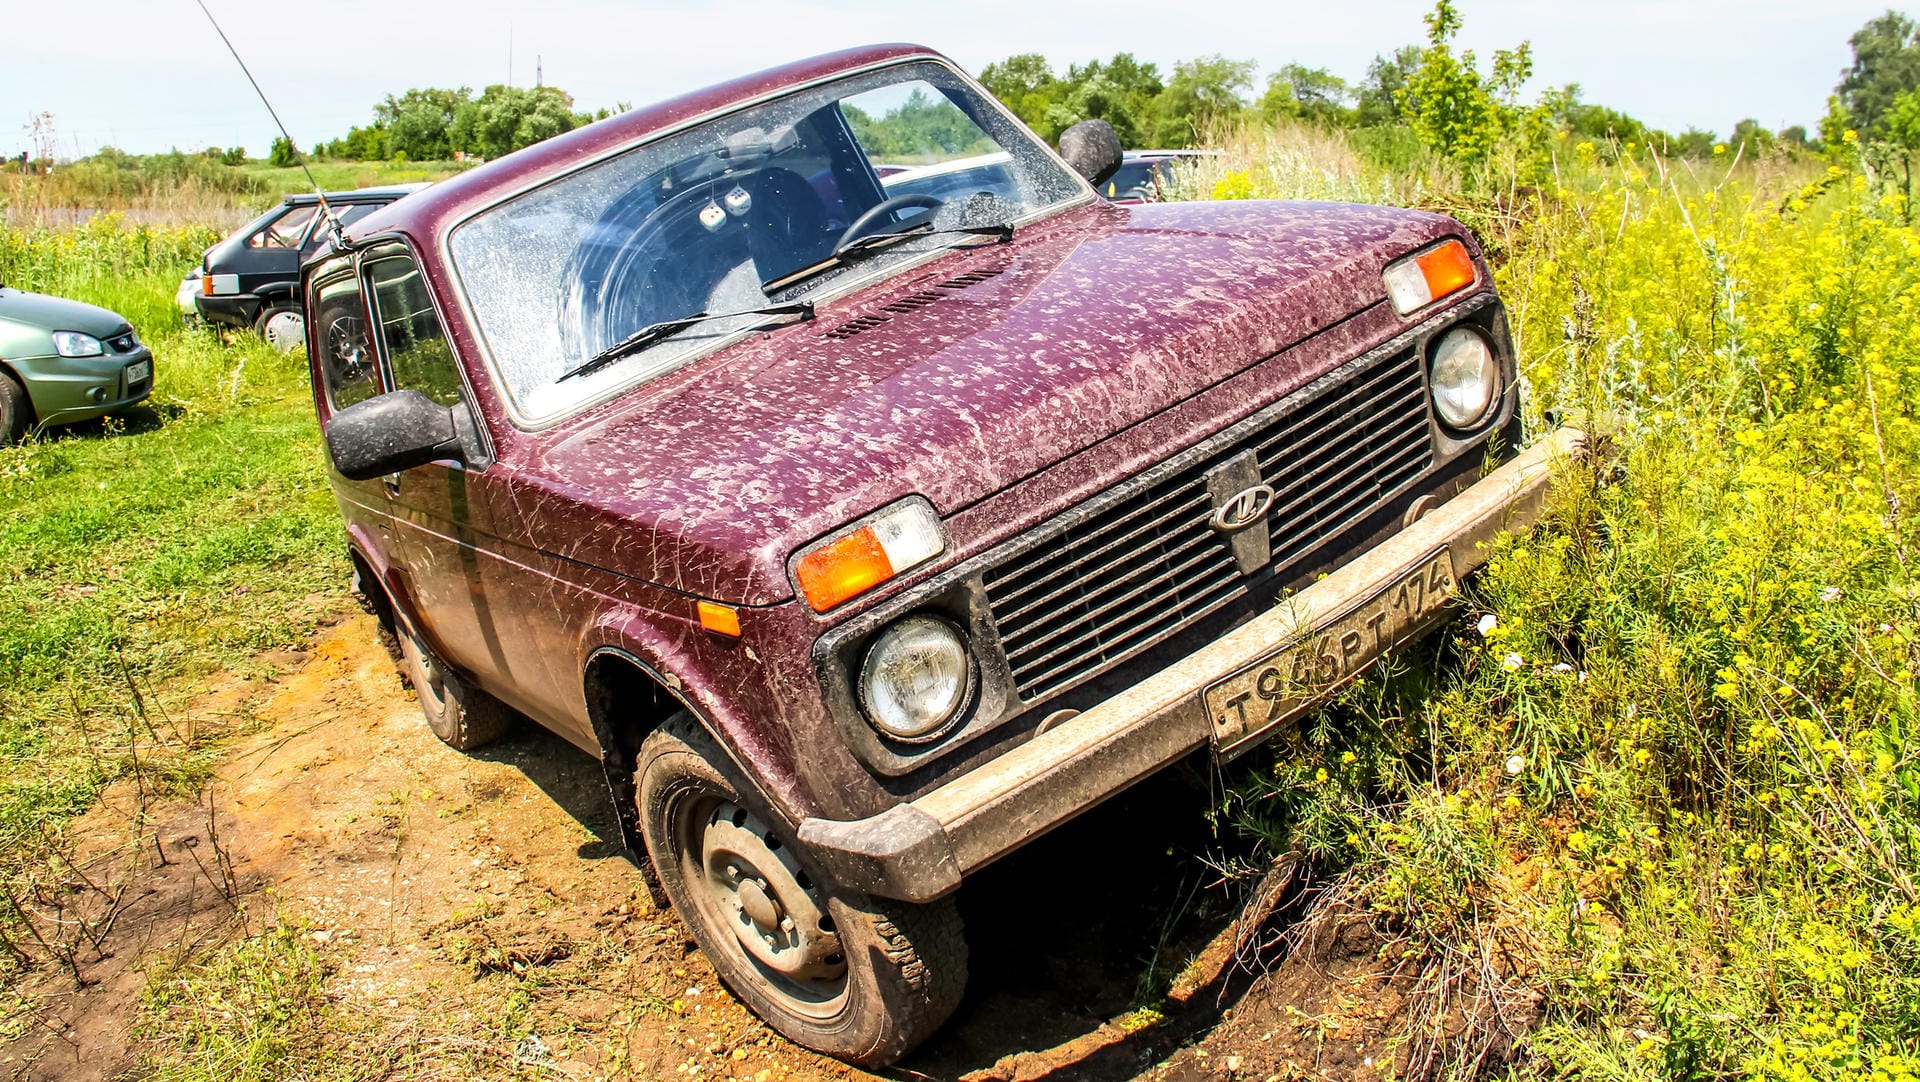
477,915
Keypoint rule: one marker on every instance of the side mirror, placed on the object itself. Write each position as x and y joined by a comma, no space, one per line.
392,432
1092,147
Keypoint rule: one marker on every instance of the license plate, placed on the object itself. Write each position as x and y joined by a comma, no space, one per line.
139,370
1246,707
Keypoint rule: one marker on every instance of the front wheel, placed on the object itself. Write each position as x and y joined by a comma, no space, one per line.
861,979
284,327
16,411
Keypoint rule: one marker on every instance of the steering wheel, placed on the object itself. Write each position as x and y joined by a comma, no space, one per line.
864,224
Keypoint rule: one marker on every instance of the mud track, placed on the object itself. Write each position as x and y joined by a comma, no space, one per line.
448,891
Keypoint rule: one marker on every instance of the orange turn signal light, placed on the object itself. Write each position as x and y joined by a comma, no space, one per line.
719,619
1440,271
844,569
904,536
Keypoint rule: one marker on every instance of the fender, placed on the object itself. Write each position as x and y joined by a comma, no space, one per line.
645,639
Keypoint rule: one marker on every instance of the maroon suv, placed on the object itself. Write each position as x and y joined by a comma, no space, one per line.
866,534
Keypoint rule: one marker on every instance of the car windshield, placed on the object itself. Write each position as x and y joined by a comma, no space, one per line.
702,220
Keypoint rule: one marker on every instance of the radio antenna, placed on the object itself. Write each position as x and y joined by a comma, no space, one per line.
325,210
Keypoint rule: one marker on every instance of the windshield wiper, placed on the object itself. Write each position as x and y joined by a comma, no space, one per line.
654,332
878,241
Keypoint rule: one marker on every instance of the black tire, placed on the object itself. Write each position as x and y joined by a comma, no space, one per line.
903,966
461,715
266,327
16,411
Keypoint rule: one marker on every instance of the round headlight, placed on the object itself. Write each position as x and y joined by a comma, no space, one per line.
1466,378
916,678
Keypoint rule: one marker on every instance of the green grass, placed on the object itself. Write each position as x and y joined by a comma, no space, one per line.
140,552
1673,798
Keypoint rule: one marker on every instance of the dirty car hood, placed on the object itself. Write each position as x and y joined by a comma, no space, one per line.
953,382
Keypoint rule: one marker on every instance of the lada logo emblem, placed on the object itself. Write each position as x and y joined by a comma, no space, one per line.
1242,509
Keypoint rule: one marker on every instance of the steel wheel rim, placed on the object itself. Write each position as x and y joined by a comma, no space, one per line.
285,331
760,904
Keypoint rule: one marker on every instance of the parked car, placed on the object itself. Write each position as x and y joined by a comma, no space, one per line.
864,535
62,361
186,298
252,278
1144,174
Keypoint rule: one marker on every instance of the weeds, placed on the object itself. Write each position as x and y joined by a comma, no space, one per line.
1671,790
185,537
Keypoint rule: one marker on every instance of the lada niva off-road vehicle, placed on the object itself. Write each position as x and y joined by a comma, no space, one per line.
865,535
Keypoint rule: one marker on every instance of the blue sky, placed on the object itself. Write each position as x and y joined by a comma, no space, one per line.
146,75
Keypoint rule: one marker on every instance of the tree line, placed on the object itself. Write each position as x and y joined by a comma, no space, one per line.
435,124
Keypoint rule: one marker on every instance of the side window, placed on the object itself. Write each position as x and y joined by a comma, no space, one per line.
347,215
284,231
421,357
347,365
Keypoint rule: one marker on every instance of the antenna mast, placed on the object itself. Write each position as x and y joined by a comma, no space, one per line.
291,145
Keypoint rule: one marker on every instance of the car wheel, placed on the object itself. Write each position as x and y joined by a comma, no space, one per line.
861,979
284,327
461,715
16,411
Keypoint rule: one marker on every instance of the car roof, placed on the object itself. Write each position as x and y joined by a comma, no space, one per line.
358,195
452,199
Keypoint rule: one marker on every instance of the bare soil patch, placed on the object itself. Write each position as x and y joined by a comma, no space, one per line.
476,915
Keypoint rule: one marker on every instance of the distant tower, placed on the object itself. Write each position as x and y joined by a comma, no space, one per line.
537,81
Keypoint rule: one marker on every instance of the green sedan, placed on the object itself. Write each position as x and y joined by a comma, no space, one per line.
62,361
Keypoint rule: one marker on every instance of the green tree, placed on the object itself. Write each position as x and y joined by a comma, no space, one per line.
1757,139
283,153
419,122
1025,83
1314,94
234,156
505,118
1903,133
1380,97
1886,62
1451,107
1201,95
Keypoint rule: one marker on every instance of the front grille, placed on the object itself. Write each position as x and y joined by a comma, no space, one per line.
123,343
1115,583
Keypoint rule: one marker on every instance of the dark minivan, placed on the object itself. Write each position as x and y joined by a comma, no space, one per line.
252,279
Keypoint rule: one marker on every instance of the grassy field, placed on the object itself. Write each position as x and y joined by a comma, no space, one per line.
1663,807
185,190
140,552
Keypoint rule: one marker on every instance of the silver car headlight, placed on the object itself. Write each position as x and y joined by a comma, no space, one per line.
75,344
1466,378
916,679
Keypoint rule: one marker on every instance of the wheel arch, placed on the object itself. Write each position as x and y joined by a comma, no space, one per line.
7,371
627,699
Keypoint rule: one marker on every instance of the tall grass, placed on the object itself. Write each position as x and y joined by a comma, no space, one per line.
1667,806
183,190
185,537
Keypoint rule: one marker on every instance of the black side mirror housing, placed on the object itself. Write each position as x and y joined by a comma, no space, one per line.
393,432
1092,147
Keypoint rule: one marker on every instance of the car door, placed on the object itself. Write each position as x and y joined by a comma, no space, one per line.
447,546
347,371
272,253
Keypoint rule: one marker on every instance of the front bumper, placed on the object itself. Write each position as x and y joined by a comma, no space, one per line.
920,850
231,309
68,389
